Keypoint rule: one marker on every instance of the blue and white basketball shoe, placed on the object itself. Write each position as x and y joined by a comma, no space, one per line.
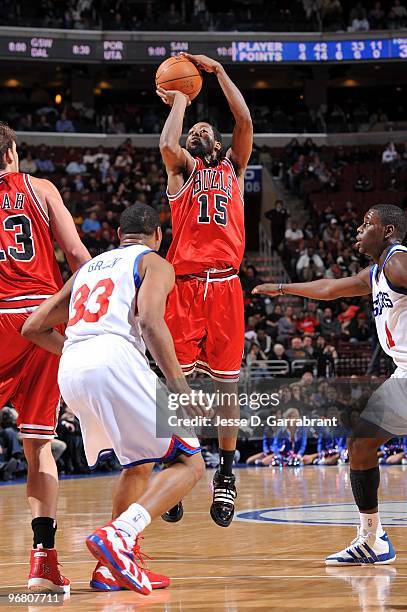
366,548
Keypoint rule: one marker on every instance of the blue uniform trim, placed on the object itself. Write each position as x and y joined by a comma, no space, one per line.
137,279
394,249
398,248
372,272
402,290
178,448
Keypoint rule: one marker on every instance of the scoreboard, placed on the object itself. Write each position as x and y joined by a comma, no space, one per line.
120,50
317,51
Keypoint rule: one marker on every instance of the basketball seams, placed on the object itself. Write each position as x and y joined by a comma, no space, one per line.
184,76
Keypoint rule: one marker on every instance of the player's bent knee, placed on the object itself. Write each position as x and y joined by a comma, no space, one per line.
142,471
196,465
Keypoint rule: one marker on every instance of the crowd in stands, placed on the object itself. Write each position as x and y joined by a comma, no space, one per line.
272,15
33,109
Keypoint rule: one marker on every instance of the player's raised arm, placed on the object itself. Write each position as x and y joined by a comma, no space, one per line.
158,280
324,289
39,327
62,225
177,160
242,140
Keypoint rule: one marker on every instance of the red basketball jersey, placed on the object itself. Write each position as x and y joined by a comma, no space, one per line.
207,220
28,269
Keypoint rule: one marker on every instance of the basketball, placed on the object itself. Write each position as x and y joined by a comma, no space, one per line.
179,73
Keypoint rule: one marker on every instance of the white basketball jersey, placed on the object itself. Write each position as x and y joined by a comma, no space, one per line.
390,311
103,299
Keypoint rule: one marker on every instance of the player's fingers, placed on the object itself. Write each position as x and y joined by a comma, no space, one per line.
267,288
188,56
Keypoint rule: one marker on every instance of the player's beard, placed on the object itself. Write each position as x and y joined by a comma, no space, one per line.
198,150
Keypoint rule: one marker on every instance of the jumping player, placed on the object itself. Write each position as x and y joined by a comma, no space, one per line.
114,304
380,236
205,311
32,215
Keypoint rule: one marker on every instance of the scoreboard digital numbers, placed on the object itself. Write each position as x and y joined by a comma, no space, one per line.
317,51
116,50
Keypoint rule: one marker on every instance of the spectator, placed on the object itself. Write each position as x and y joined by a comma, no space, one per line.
377,17
64,124
307,323
75,167
389,154
360,22
294,234
286,325
278,220
250,280
399,12
11,451
289,443
328,325
297,350
358,329
264,342
73,459
325,354
91,224
28,164
307,258
44,162
278,353
43,124
307,344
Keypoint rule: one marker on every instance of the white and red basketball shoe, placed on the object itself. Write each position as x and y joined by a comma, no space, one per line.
103,580
113,548
44,572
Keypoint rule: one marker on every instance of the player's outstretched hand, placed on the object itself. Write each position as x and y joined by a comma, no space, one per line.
202,61
267,289
168,95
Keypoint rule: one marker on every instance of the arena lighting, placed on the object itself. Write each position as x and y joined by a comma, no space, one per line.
58,99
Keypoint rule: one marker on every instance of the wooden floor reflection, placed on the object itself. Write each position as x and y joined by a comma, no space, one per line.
249,566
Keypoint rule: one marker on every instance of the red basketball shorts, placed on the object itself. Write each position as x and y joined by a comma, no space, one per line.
28,378
206,320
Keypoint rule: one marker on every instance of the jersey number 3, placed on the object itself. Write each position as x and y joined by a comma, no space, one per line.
90,305
24,244
221,214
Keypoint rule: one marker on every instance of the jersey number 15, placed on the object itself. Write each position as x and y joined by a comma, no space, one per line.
221,214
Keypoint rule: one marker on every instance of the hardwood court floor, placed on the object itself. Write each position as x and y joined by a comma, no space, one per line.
248,566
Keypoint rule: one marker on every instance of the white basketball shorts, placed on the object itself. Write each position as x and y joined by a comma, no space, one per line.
108,384
387,408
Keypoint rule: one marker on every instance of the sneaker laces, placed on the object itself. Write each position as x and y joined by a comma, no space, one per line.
361,538
225,492
139,554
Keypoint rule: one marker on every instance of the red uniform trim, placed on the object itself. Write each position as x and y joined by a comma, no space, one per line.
35,198
184,186
235,176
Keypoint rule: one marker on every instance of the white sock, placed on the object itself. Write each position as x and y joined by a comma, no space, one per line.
370,523
134,520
